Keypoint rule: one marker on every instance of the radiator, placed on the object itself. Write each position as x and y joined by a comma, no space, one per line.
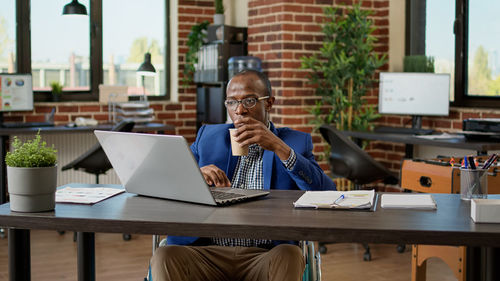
70,146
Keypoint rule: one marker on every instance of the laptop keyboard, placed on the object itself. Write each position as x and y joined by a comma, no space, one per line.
219,195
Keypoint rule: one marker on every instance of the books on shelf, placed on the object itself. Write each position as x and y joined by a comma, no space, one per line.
408,201
355,199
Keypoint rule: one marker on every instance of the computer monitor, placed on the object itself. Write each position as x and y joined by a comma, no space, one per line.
16,92
416,94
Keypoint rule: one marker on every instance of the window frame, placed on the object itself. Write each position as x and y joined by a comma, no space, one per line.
23,53
461,31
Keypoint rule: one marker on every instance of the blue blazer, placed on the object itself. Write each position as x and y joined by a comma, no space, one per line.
213,146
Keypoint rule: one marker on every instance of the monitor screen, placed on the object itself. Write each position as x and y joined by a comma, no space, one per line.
409,93
16,92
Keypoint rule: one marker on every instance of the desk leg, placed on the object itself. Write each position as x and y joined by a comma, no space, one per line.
86,256
19,255
482,263
3,169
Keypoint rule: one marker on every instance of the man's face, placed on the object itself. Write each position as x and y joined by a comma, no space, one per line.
249,86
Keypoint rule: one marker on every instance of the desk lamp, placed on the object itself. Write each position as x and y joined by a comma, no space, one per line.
74,8
146,69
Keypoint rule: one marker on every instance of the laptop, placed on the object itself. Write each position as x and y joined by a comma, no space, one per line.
163,166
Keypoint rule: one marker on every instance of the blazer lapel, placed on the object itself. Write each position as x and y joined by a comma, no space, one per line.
268,162
267,168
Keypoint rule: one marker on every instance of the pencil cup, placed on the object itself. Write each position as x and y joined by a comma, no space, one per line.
473,183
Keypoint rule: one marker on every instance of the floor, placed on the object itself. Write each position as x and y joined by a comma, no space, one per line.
54,258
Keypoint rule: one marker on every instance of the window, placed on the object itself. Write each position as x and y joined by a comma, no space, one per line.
125,42
60,47
483,42
463,37
439,39
104,47
8,36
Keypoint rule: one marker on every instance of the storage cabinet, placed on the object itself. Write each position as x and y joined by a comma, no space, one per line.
211,72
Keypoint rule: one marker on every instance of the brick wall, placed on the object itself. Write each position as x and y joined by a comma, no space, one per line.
280,33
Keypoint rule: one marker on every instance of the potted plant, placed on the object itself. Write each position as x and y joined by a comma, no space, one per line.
344,69
31,175
57,89
195,40
418,63
219,13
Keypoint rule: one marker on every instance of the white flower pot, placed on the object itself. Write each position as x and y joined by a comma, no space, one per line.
219,19
32,189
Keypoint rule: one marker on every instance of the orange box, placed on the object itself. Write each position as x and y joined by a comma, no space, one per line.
438,176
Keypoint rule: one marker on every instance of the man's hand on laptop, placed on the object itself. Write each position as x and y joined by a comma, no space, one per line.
252,131
215,176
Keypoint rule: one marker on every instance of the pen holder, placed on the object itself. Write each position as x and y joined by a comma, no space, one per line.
473,183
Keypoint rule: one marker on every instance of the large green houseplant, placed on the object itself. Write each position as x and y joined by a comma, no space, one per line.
31,175
344,69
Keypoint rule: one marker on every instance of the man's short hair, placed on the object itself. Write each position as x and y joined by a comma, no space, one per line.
262,77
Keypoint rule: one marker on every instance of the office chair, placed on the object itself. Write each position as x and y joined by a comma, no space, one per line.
348,160
94,161
312,271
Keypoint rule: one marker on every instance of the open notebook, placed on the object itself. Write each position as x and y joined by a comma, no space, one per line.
355,199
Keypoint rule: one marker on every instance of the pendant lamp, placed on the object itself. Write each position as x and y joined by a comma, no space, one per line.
74,8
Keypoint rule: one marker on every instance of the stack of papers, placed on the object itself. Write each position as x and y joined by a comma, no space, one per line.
408,201
356,199
85,195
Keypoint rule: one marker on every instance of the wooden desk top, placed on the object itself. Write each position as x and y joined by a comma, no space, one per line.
461,143
272,217
147,127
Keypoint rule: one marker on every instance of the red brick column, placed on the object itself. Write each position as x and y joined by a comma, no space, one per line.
280,32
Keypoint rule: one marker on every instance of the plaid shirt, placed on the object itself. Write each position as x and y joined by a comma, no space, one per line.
248,175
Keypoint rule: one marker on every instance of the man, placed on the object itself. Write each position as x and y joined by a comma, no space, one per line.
277,159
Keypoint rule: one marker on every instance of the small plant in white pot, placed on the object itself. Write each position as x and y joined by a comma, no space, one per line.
31,175
219,18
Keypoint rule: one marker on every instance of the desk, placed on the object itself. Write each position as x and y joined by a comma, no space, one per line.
5,134
127,213
481,147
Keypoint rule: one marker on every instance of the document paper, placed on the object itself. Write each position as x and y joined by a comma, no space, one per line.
408,201
85,195
356,199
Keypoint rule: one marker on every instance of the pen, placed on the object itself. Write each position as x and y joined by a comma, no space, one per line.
341,197
490,161
471,163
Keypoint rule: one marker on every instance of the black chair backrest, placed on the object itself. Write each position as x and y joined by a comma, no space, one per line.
123,126
94,160
348,160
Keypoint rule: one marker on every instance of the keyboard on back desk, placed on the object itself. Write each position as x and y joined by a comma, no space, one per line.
13,125
402,130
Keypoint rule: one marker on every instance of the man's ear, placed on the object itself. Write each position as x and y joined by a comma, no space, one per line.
269,103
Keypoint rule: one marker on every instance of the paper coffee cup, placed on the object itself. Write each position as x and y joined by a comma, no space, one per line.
237,149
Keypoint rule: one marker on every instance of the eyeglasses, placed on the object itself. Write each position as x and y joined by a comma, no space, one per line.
246,102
